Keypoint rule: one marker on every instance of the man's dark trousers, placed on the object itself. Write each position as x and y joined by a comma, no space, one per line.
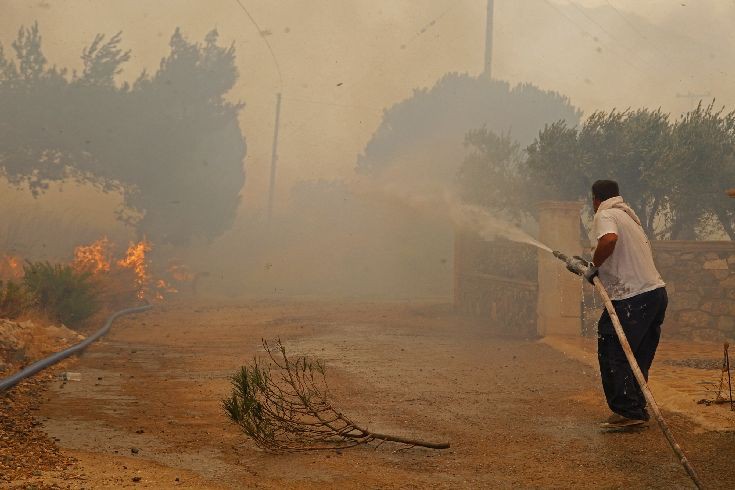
641,317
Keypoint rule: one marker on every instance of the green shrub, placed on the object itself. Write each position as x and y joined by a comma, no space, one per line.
14,300
61,292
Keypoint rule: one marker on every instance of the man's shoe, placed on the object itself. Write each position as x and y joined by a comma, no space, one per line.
616,421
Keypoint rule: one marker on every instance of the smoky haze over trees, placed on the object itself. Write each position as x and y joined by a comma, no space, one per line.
673,172
169,142
427,129
379,242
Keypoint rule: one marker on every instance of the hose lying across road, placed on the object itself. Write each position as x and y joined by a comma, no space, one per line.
10,381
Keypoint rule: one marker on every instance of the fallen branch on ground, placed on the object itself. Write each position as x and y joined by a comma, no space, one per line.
283,405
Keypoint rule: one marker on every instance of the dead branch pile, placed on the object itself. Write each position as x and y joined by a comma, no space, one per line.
283,405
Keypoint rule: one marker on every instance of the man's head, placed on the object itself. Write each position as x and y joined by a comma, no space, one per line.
602,190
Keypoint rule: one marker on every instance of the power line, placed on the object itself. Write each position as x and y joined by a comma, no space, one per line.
575,24
637,31
602,28
384,60
625,19
265,40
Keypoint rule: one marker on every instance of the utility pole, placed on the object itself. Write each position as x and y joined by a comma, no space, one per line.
274,158
489,40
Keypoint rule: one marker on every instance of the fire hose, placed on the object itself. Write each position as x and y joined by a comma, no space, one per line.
10,381
579,266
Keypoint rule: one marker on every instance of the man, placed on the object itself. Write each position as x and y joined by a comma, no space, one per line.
624,263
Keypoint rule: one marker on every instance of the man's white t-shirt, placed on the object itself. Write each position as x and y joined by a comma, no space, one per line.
630,270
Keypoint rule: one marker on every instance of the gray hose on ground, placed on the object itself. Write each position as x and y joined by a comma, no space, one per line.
10,381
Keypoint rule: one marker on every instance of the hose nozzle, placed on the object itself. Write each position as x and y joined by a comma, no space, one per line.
575,264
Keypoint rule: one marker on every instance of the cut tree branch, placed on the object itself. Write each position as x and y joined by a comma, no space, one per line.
283,405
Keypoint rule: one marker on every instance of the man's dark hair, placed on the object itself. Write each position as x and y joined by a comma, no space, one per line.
603,190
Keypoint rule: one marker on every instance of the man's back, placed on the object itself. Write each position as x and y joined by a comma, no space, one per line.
630,269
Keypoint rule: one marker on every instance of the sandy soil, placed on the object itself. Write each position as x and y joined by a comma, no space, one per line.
518,413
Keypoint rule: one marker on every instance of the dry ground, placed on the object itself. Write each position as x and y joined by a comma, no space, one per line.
518,413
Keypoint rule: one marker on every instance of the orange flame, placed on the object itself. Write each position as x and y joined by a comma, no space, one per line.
97,258
11,267
135,260
94,258
179,272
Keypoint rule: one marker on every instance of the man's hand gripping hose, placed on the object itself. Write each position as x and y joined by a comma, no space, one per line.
578,265
586,269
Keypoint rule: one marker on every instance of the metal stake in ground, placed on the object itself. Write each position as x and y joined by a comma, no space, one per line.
578,267
729,381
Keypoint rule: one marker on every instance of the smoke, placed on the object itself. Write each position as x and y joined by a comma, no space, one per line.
440,199
334,232
487,225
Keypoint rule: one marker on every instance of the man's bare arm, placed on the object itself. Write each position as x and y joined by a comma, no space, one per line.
605,248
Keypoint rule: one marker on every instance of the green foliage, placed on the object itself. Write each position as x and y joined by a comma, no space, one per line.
673,174
287,409
490,174
244,407
170,142
701,166
630,147
61,292
102,62
14,300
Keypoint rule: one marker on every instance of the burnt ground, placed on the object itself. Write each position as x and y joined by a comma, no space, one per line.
517,413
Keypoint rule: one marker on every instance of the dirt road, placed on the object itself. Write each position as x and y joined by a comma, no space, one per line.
518,413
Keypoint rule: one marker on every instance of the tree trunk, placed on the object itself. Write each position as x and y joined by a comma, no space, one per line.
651,218
683,228
725,220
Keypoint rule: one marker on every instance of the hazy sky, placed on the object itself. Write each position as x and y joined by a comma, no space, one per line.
344,61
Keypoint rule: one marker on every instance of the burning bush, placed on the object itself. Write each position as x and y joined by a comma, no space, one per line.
60,291
96,279
129,277
94,258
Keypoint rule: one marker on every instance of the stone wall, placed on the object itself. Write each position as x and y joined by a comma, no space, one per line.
495,283
700,280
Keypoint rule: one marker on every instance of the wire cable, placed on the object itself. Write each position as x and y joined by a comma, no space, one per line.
265,40
584,32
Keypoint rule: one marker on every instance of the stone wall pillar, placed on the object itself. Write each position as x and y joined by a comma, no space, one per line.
559,291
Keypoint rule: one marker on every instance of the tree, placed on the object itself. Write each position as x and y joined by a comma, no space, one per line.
170,143
672,174
490,174
425,132
700,168
629,147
